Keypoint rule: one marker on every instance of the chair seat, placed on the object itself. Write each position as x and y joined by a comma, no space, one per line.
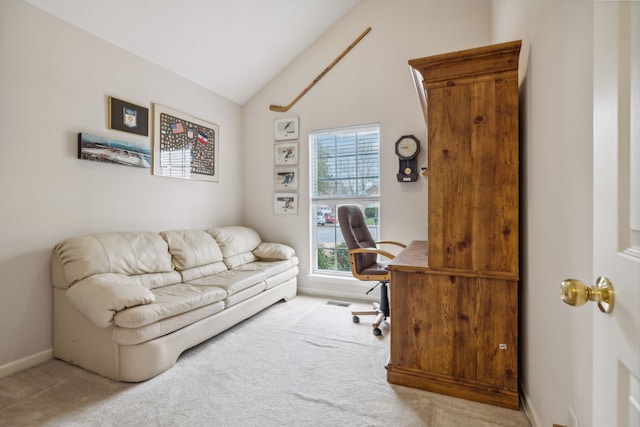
375,271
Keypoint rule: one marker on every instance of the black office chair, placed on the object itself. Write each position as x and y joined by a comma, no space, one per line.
363,256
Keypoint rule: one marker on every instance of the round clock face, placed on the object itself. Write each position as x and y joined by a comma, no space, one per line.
407,148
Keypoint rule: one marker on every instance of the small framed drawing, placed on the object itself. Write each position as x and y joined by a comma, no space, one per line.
286,129
128,117
286,154
286,203
286,178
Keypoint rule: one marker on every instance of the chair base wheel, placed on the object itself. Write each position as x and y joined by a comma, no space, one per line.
355,319
377,332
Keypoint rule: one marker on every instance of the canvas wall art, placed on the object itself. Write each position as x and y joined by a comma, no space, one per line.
108,150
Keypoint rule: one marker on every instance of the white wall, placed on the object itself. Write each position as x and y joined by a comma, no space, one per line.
556,135
54,83
371,84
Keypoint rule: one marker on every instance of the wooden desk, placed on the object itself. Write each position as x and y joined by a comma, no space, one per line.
453,331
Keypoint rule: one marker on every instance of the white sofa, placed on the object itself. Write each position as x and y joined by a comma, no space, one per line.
126,305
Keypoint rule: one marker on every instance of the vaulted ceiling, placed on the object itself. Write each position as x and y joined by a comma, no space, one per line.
232,47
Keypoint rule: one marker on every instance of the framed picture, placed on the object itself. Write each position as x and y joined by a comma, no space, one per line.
128,117
184,146
286,154
286,178
107,150
286,203
286,129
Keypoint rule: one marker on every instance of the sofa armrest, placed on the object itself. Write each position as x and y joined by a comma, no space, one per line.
101,296
274,251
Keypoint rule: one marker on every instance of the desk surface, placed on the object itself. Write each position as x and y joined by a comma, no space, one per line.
411,258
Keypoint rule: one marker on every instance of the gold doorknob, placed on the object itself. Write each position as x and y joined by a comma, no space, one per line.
574,292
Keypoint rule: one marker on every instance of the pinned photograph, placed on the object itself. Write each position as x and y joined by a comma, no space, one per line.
286,129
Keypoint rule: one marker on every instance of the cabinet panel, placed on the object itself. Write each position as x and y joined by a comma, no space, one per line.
473,177
461,327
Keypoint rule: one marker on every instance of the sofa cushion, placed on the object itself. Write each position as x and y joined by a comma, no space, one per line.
240,259
280,278
270,268
132,336
127,253
236,243
273,251
101,296
192,248
232,281
245,294
169,301
202,271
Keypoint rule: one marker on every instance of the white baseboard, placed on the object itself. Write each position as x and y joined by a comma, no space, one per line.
529,409
344,296
338,287
25,363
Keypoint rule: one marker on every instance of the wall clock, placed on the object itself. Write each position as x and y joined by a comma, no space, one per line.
407,149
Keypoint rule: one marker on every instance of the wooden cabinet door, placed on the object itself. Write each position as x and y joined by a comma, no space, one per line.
456,335
473,176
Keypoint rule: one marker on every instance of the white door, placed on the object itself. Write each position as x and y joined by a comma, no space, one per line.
616,107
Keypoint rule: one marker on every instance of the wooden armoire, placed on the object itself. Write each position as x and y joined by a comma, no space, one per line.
454,297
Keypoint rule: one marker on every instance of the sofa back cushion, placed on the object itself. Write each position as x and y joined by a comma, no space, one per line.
192,248
236,243
194,253
128,253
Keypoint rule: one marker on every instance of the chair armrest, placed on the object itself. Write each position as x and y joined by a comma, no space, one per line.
391,242
372,251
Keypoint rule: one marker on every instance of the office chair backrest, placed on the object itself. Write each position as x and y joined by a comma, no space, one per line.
356,235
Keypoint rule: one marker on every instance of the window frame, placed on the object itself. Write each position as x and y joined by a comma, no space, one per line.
332,202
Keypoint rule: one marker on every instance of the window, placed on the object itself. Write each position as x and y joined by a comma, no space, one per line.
345,169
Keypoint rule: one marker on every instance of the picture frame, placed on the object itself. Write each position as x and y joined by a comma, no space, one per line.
286,203
286,154
128,117
108,150
286,129
184,146
286,178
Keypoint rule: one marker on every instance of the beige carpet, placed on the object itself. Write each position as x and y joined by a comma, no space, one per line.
300,363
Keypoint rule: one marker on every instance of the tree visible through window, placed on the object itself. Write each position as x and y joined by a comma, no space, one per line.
345,169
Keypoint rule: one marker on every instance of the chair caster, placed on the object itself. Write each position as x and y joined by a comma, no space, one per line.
356,319
377,332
